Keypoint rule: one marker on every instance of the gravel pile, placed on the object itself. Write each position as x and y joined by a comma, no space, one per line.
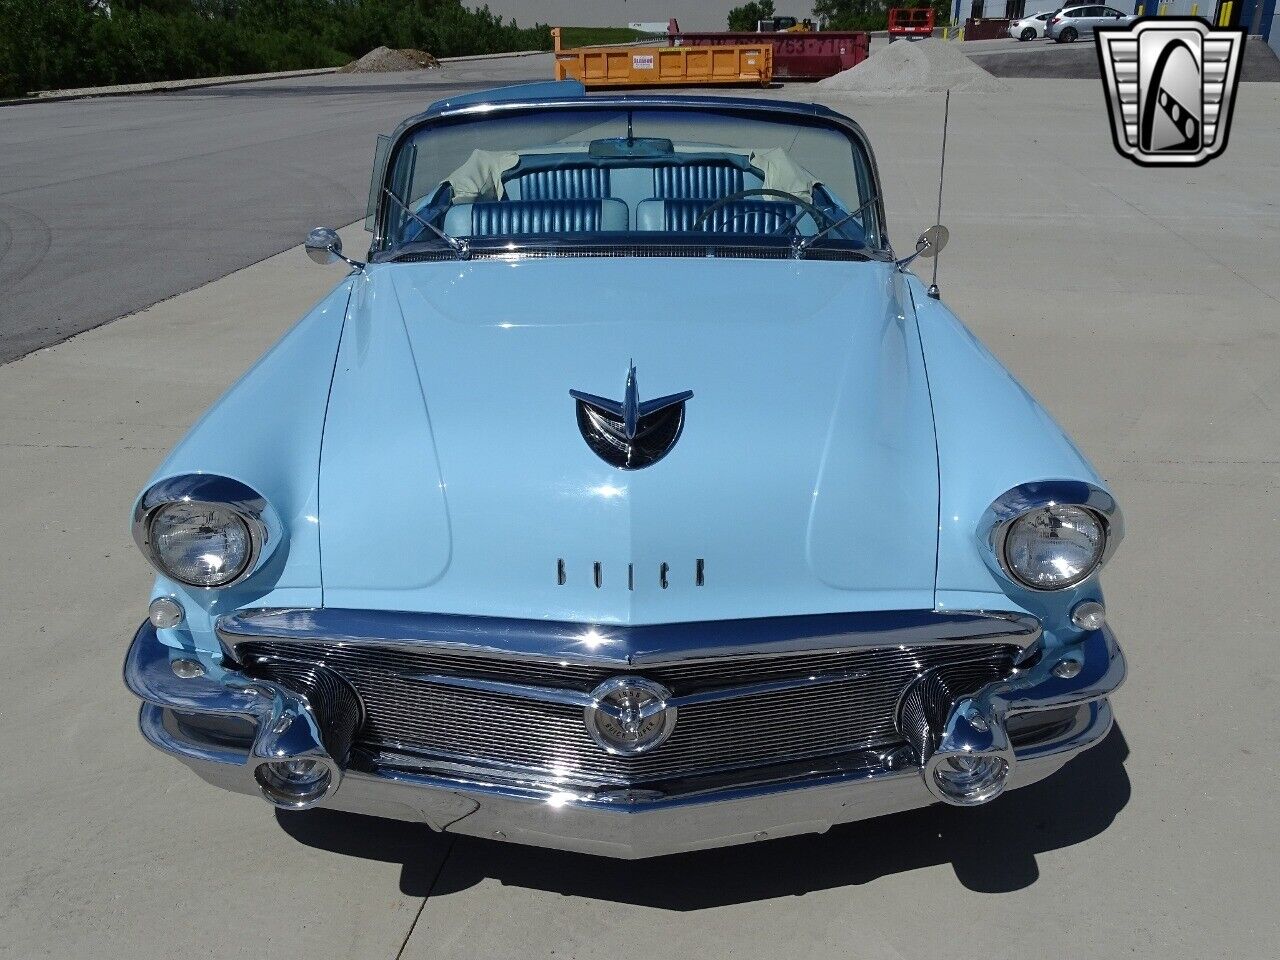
910,67
386,60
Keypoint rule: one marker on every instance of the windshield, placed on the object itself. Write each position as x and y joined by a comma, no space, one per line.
631,175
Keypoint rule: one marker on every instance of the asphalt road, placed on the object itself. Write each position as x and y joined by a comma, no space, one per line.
1140,305
109,205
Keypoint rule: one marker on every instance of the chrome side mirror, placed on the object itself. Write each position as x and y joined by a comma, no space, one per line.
324,246
929,245
931,242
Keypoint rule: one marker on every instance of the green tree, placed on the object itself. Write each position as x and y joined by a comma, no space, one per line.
46,44
746,16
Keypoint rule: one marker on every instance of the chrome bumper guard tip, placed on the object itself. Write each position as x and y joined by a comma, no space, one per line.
968,751
304,731
963,744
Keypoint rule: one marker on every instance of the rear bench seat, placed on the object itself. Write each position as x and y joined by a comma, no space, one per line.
504,217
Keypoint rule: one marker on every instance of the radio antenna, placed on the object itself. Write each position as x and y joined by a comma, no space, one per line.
942,170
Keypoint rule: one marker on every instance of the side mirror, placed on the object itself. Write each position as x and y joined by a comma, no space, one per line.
931,242
324,246
928,246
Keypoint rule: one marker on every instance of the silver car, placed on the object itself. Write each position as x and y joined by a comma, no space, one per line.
1071,23
1029,28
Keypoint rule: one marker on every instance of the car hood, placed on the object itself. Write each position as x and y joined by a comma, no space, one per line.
454,477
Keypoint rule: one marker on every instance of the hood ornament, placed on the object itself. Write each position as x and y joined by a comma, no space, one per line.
629,433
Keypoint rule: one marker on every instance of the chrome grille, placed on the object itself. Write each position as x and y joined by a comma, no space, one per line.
539,738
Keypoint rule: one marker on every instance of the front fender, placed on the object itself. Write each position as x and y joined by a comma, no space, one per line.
265,432
992,436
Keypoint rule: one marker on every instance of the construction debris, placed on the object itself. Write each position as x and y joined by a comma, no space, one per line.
909,67
386,60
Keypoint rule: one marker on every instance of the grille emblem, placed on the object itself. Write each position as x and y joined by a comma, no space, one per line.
629,433
629,715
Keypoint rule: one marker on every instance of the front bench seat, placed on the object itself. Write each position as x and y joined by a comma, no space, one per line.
498,218
739,217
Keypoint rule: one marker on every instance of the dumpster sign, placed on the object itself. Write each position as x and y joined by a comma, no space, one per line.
642,61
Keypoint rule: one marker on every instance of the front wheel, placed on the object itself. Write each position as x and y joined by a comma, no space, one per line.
1027,34
1069,35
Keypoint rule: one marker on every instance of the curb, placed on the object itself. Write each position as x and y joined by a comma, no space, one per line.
124,89
194,83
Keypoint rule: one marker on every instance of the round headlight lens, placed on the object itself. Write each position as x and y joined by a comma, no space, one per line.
1054,547
200,544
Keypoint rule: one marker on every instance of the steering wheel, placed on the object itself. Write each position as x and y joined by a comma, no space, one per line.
810,208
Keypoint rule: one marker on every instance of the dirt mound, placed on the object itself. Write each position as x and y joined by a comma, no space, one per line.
386,60
910,67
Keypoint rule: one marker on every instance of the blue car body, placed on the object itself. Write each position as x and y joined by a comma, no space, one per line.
846,442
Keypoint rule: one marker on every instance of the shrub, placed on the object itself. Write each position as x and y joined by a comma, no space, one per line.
47,44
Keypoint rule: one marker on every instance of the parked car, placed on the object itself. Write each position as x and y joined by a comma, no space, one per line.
1071,23
1029,28
607,504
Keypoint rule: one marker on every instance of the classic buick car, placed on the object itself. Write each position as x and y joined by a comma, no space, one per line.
630,498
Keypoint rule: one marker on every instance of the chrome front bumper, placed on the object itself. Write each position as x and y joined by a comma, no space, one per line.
1037,720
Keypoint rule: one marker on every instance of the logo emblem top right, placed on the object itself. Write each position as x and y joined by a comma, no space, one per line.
1171,86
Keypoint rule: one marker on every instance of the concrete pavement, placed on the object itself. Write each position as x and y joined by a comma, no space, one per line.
1139,304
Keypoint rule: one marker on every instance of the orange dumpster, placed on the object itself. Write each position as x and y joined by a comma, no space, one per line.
666,66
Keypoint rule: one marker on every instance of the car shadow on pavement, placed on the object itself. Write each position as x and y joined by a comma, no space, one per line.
991,848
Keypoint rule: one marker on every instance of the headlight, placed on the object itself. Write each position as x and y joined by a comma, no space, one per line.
200,544
204,530
1054,547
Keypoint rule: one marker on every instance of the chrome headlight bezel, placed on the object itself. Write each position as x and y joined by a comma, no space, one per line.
250,507
1016,503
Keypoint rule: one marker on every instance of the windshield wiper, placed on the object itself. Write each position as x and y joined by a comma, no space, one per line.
806,242
460,247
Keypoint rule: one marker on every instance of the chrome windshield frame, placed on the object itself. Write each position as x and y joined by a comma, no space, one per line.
443,114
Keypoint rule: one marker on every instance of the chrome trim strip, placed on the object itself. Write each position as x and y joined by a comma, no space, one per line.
770,686
558,695
623,646
575,698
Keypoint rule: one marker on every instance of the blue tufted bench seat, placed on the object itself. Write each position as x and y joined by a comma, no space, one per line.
741,216
512,217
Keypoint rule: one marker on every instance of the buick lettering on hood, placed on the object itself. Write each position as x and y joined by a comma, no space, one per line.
629,497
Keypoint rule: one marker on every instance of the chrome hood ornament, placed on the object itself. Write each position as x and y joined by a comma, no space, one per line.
631,434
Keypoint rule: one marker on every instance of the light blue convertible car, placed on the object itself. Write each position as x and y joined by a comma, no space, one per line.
631,498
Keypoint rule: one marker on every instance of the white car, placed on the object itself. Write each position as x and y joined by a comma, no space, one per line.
1071,23
1029,28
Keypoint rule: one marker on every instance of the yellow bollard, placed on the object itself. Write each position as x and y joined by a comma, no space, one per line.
1195,9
